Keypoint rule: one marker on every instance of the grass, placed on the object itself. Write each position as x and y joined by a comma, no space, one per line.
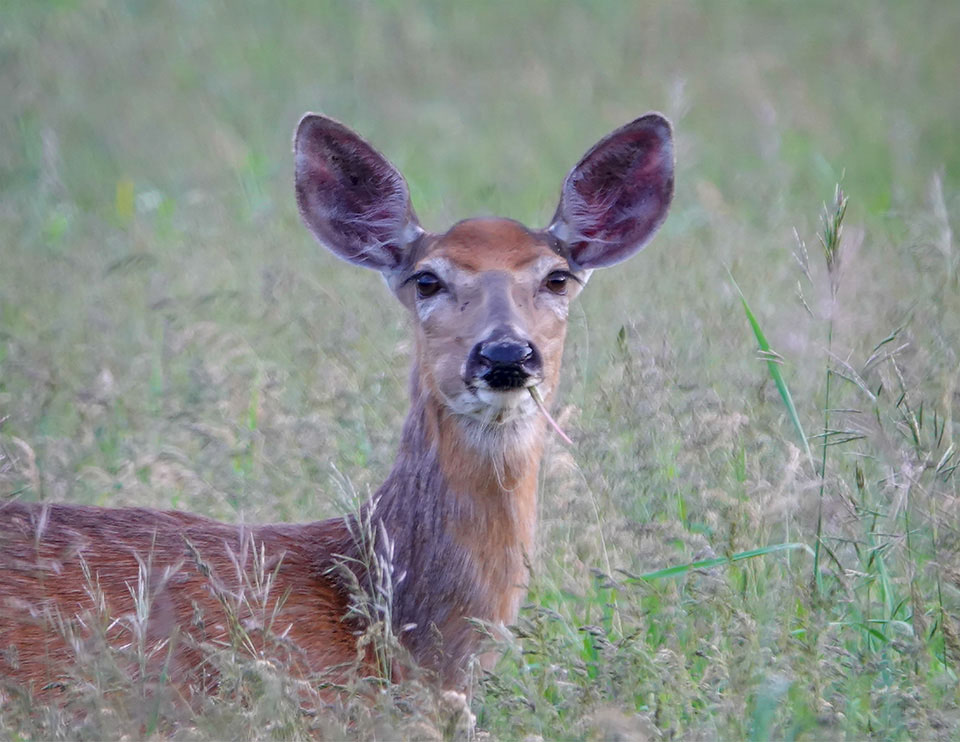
170,336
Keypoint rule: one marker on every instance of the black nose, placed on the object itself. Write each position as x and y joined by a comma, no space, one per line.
503,362
505,352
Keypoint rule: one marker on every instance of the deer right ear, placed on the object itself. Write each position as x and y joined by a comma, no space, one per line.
617,196
352,199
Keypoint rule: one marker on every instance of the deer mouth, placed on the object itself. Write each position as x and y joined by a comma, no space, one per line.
501,405
508,378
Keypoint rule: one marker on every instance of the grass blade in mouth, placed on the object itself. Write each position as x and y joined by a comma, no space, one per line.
535,393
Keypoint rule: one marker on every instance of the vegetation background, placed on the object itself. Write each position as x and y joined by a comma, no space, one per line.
171,336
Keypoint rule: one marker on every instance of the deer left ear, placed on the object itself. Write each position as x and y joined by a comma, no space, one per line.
617,196
352,199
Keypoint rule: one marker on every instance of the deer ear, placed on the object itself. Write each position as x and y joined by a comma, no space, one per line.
617,196
352,199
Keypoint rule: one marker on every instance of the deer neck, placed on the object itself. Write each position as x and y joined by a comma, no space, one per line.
460,509
482,476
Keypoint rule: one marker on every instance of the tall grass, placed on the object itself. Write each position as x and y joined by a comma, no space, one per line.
171,337
844,651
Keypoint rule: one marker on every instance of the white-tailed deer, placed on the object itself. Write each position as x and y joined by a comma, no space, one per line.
488,301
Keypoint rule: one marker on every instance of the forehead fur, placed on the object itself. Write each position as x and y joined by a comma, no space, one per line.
491,244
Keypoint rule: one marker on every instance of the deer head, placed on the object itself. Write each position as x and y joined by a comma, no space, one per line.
489,297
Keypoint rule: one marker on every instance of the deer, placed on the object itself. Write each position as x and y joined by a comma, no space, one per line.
488,301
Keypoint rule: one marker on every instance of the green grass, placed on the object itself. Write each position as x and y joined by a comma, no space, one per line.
171,336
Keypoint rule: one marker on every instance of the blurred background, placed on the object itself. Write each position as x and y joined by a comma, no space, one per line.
171,335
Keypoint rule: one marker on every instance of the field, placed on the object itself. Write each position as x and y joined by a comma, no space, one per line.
171,336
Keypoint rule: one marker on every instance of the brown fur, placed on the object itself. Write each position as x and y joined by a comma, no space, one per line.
491,243
56,561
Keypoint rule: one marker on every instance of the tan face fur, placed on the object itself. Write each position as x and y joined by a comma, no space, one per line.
496,276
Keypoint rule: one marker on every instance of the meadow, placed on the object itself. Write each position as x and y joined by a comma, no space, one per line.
714,562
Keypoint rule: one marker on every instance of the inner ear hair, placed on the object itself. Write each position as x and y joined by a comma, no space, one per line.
614,200
350,196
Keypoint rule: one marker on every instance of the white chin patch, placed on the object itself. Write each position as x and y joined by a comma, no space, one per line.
504,400
497,407
497,423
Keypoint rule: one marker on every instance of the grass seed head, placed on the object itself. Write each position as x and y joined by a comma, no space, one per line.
831,234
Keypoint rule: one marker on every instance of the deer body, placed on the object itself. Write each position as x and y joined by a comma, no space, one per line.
457,513
49,594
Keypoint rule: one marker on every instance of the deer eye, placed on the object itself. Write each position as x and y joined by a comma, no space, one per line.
427,285
556,282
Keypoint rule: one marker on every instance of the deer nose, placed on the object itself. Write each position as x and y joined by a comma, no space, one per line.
506,353
503,363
